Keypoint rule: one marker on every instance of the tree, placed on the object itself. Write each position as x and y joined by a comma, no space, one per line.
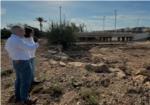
63,34
148,31
74,27
40,20
5,33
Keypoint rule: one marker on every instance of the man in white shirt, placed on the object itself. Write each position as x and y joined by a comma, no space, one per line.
18,51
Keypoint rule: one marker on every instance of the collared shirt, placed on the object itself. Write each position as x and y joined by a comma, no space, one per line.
18,49
30,41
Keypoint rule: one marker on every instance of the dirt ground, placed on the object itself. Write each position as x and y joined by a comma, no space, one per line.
86,75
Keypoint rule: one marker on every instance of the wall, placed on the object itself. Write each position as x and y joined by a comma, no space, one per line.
141,36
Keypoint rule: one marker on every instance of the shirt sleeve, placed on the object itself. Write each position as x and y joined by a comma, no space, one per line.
23,45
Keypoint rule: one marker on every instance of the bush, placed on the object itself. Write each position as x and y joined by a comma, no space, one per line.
90,96
63,35
5,73
55,91
5,33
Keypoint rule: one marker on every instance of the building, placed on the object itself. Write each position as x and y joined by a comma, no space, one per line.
111,36
104,37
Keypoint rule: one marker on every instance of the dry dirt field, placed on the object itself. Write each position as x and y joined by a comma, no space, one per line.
89,75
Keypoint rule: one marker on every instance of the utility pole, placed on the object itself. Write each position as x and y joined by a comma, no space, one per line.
60,13
115,12
104,17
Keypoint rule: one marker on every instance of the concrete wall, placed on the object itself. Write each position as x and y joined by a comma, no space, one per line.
141,36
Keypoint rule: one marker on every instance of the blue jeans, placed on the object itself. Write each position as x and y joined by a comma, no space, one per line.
23,79
32,61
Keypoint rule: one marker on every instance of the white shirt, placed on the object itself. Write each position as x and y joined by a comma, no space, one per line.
18,49
30,41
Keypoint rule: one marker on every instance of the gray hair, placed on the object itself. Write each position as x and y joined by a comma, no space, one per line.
13,28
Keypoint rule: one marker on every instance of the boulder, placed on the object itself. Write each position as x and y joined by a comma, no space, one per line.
61,56
118,72
98,68
62,63
53,62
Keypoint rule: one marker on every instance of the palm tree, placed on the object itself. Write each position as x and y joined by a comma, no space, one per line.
81,27
40,20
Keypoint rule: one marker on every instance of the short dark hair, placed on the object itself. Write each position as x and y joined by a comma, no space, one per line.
28,31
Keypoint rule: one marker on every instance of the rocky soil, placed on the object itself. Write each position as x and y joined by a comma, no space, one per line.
86,75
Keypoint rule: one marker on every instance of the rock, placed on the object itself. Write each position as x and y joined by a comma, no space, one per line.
61,56
134,90
76,64
52,52
76,84
147,84
57,55
62,63
148,68
144,73
139,79
98,68
118,72
121,74
53,62
105,82
114,69
147,79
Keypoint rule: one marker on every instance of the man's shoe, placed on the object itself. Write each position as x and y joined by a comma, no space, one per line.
36,82
30,102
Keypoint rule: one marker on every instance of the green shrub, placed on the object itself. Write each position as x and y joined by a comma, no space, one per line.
62,34
5,33
90,96
55,91
6,72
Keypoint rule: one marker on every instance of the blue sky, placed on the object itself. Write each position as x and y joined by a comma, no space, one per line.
129,13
